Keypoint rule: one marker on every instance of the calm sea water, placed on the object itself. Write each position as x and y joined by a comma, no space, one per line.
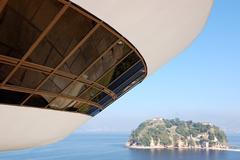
111,147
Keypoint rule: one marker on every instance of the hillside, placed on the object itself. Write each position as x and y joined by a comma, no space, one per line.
174,133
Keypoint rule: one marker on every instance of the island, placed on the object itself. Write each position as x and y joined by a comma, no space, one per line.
175,133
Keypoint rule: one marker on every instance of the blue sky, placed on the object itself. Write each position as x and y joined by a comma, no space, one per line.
201,84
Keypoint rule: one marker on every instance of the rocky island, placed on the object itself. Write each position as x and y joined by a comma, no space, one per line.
174,133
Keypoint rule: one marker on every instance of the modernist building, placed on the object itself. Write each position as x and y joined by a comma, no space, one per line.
62,62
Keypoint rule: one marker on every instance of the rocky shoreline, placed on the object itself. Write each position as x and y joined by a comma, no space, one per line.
172,147
180,148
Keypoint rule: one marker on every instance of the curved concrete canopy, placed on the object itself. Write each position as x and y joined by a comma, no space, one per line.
25,127
159,29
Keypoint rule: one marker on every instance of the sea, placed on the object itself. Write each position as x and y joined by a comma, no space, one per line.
111,146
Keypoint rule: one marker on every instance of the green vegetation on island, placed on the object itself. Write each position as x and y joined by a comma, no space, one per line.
174,133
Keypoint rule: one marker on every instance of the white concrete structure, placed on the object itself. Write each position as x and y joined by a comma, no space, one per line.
159,29
25,127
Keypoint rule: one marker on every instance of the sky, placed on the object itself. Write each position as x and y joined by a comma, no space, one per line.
200,84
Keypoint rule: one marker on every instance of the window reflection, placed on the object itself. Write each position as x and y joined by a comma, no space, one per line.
22,22
12,97
4,70
27,78
106,62
74,89
89,93
55,84
90,110
38,101
61,103
89,52
61,39
119,69
135,69
73,108
102,62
